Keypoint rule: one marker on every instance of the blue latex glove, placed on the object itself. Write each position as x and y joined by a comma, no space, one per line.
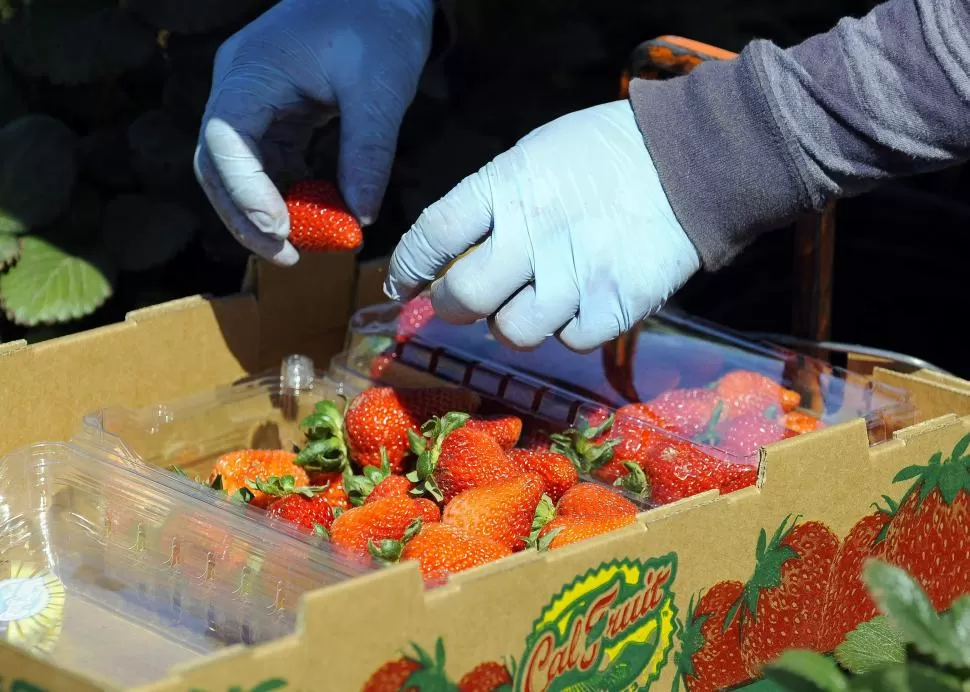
576,236
285,74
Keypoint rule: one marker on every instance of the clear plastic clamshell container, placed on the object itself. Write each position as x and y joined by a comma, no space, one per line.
110,571
672,359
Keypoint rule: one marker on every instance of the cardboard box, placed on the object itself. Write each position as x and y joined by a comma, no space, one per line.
609,613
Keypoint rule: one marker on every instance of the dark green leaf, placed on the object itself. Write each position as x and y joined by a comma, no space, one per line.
38,165
909,610
163,151
806,671
106,159
911,677
50,284
141,232
9,249
194,16
870,645
960,448
76,41
908,473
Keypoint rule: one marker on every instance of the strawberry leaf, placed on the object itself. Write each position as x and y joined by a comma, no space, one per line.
141,232
545,541
9,249
216,483
327,420
386,552
38,168
908,473
50,284
910,611
581,446
358,488
635,480
242,496
871,645
960,448
957,621
799,670
321,531
908,677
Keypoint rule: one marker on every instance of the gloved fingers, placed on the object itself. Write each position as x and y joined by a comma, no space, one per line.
274,249
444,230
283,148
232,130
535,313
479,283
592,327
369,125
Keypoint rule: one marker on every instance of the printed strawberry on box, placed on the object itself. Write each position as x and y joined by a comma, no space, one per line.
707,399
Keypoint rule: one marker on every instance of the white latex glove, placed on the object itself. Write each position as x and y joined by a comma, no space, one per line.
577,237
290,71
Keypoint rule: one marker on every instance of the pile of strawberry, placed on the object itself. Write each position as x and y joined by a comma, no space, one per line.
422,474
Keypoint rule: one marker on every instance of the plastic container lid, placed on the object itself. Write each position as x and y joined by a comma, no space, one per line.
111,573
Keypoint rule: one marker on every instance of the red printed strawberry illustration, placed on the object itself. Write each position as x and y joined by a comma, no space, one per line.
453,458
487,677
411,672
557,471
710,654
383,417
782,605
745,392
414,314
682,470
929,535
501,510
506,429
848,602
319,219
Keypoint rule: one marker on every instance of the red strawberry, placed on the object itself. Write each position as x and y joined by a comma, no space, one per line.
563,531
319,219
535,438
782,606
743,435
375,483
710,654
928,536
681,470
453,458
593,500
557,471
383,417
486,677
443,549
502,510
307,512
848,602
411,673
505,429
333,489
357,529
800,422
683,411
429,511
389,487
414,314
745,391
235,471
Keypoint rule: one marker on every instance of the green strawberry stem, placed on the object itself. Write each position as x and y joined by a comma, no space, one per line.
710,436
581,446
949,476
326,448
634,481
435,432
389,550
281,486
545,512
430,675
770,557
691,641
360,487
891,509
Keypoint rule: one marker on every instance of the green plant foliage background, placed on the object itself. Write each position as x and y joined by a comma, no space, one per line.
100,102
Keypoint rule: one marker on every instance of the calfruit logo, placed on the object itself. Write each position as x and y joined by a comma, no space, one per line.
610,629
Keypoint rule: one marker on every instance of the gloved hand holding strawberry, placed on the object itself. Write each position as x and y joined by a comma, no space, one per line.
574,236
290,71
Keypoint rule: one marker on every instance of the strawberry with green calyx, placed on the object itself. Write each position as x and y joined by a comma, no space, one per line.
387,551
928,535
783,603
309,512
710,654
274,487
326,449
354,530
566,530
584,444
237,469
635,481
359,488
492,676
412,672
545,512
452,458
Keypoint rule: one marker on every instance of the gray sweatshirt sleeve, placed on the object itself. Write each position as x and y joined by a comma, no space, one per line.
746,145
